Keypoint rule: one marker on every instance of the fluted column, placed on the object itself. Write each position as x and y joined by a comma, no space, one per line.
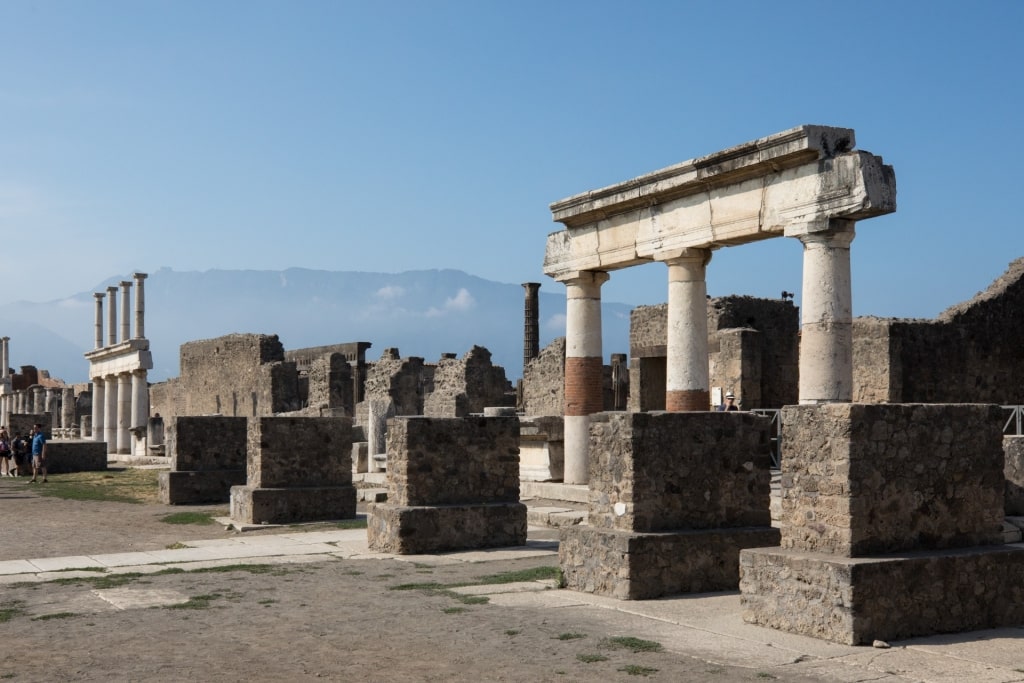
531,323
140,308
124,412
583,369
110,413
686,381
826,331
111,315
99,319
126,310
97,408
140,399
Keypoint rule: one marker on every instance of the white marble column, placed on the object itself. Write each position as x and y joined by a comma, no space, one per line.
583,369
110,413
140,400
124,413
111,315
126,310
140,307
826,330
687,376
67,407
99,319
5,358
97,408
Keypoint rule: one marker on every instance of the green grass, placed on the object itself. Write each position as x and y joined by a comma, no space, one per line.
513,632
9,610
590,659
765,675
453,610
632,644
117,580
637,670
55,615
570,636
197,602
197,518
113,485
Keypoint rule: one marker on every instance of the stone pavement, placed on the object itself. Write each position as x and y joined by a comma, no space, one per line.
706,626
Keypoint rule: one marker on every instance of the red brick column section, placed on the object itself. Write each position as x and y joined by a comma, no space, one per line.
583,386
685,401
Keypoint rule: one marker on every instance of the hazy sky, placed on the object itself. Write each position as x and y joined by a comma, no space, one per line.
392,136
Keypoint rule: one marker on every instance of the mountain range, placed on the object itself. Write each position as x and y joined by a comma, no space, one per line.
422,313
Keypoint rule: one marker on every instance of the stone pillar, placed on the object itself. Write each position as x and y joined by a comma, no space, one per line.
111,315
583,368
140,307
38,400
826,332
67,407
140,400
126,332
531,323
110,413
376,432
98,399
99,319
686,380
124,413
50,406
5,358
5,410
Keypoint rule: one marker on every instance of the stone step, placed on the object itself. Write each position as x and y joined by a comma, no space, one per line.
542,515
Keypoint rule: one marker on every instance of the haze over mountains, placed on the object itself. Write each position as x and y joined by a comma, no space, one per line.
422,313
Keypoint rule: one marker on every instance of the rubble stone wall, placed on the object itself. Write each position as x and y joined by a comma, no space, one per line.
206,443
291,452
1013,450
467,385
544,381
400,380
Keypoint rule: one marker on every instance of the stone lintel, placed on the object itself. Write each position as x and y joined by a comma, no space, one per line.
126,356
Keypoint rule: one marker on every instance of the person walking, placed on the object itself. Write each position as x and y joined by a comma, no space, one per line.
38,453
5,453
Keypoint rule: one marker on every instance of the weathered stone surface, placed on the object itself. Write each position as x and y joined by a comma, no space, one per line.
670,471
75,456
206,443
413,530
287,452
1013,450
857,600
467,385
453,461
544,381
862,479
640,566
541,448
189,488
292,505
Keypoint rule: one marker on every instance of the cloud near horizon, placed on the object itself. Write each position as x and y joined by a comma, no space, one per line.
462,301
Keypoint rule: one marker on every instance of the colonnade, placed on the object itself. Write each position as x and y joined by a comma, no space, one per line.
120,398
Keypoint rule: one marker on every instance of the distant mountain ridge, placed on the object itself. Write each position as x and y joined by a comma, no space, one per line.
422,313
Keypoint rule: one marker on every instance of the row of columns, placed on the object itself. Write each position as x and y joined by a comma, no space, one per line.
826,341
120,402
38,400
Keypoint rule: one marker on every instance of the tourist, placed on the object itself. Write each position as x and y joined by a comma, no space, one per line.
38,453
21,462
730,403
5,453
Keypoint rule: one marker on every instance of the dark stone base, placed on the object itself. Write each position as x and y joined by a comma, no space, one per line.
858,600
640,566
292,505
73,456
414,530
182,488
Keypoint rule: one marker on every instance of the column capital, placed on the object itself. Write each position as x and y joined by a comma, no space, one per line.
126,283
685,255
140,276
112,289
584,278
100,296
840,233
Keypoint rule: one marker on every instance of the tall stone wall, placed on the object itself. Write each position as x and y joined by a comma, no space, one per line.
239,375
467,385
329,385
400,380
971,353
544,381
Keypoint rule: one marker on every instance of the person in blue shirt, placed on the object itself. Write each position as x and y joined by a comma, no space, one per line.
38,453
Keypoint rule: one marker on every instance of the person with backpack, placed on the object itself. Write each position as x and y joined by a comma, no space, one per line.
5,453
20,447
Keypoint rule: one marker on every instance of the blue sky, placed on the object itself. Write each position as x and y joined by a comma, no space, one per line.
392,136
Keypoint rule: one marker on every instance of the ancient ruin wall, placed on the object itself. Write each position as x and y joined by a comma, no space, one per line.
400,380
544,381
468,385
329,385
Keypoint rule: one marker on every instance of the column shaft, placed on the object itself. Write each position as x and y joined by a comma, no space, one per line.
583,370
826,331
140,307
110,413
126,310
140,400
111,315
686,381
124,413
99,319
97,408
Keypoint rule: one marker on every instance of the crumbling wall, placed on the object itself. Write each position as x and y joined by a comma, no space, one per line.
400,380
544,381
329,379
462,387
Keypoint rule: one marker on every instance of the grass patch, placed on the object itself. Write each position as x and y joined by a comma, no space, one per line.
590,659
118,580
570,636
193,517
101,570
9,610
513,632
632,644
266,601
765,675
197,602
637,670
114,485
357,523
453,610
55,615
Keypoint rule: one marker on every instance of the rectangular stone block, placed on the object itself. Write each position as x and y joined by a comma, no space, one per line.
1013,451
653,472
858,600
289,452
641,566
360,457
414,530
183,488
73,456
863,479
453,461
208,442
293,505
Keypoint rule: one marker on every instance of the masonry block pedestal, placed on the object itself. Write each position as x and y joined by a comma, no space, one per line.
207,455
299,469
453,484
891,524
673,499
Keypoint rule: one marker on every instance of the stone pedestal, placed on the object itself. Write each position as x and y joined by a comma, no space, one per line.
541,448
453,484
299,469
207,457
673,499
891,520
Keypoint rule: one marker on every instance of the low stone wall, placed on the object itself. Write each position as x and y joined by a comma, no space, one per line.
73,456
207,455
453,484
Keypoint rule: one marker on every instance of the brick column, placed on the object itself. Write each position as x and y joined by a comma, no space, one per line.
826,332
583,363
686,381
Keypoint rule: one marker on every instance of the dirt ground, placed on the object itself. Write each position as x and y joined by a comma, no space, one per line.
334,619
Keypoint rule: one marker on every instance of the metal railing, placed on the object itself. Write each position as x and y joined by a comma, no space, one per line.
1015,421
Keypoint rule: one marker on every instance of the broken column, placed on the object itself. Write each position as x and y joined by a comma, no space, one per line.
299,469
453,484
674,497
891,526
